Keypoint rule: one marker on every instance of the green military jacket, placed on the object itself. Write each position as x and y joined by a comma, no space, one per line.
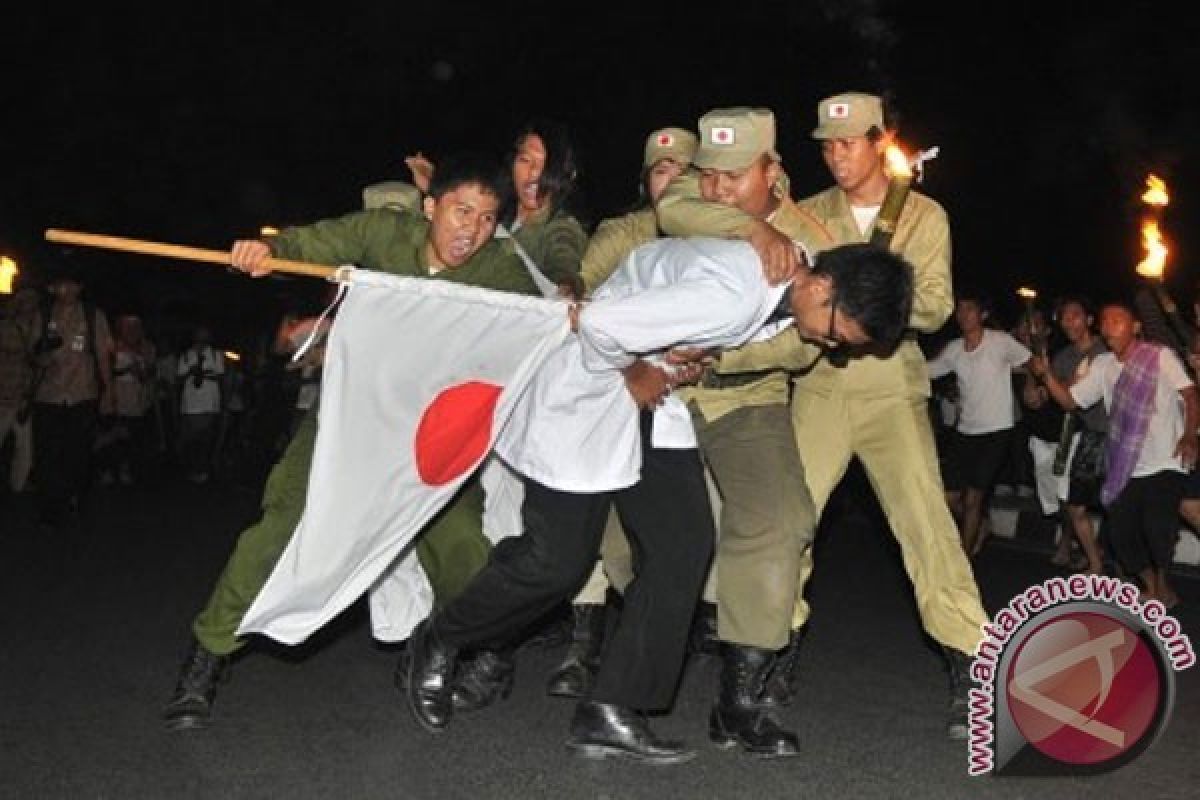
394,242
613,240
555,241
682,212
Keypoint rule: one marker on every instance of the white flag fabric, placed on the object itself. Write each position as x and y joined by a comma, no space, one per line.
419,377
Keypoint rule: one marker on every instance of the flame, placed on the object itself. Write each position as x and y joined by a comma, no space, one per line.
268,230
1027,293
232,356
1156,192
897,162
8,274
1156,251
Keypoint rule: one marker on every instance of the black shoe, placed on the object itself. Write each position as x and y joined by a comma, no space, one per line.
430,673
574,675
959,664
740,717
483,680
603,730
191,705
783,682
702,638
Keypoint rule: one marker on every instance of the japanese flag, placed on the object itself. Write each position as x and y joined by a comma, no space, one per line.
419,377
721,135
839,110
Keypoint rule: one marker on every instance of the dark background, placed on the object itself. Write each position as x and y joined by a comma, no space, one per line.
197,123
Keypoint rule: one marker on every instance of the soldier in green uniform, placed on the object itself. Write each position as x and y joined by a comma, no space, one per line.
544,171
667,153
745,431
875,407
452,240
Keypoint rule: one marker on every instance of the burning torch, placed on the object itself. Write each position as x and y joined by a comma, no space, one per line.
900,180
8,274
1037,337
1153,265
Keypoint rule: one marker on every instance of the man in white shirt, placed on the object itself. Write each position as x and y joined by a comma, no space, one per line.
983,361
1151,445
199,371
599,426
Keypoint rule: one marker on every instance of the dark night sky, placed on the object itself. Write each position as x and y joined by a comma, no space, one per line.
197,125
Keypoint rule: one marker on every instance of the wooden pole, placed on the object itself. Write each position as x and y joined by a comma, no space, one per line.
180,252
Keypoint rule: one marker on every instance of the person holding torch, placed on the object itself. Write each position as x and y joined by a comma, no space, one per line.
873,407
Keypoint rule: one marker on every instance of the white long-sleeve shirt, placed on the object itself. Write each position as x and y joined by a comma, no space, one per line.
576,428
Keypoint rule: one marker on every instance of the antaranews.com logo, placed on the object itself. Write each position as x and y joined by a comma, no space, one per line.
1076,677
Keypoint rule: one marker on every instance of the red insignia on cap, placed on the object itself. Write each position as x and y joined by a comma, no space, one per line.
721,136
665,140
839,110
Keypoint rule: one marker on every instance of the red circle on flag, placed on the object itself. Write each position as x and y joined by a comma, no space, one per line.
455,431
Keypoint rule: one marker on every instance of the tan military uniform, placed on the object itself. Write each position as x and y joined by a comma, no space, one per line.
875,408
613,240
745,431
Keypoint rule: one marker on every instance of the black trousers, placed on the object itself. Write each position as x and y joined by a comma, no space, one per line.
62,452
668,520
1143,521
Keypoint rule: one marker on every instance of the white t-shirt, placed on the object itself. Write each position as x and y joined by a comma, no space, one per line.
1167,419
864,217
984,374
205,398
576,428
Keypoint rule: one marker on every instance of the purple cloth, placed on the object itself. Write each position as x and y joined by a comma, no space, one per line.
1129,417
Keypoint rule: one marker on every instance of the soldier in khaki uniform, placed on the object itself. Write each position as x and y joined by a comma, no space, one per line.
875,407
667,153
745,432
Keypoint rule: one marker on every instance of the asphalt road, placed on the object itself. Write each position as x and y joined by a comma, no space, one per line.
95,619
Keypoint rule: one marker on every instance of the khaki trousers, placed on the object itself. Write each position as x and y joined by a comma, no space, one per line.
892,438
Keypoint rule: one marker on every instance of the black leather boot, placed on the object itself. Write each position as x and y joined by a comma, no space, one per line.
484,679
702,638
783,682
191,704
740,717
574,675
430,678
604,730
959,664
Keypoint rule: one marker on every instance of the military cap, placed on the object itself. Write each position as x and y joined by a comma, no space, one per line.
677,144
392,195
849,114
732,138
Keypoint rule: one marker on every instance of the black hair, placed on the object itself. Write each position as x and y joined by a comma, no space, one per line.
559,175
977,298
874,287
469,168
1084,302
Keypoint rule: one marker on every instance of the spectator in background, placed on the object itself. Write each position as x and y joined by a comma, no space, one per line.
17,314
1076,488
200,371
1153,416
983,360
73,376
133,390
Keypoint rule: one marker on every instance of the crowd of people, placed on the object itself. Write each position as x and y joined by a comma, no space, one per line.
760,343
86,403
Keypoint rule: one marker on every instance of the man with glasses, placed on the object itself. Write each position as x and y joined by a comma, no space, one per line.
706,293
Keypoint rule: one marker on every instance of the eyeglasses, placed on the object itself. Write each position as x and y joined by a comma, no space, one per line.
831,338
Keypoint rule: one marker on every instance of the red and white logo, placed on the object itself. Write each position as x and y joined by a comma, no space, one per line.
839,111
722,135
665,140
